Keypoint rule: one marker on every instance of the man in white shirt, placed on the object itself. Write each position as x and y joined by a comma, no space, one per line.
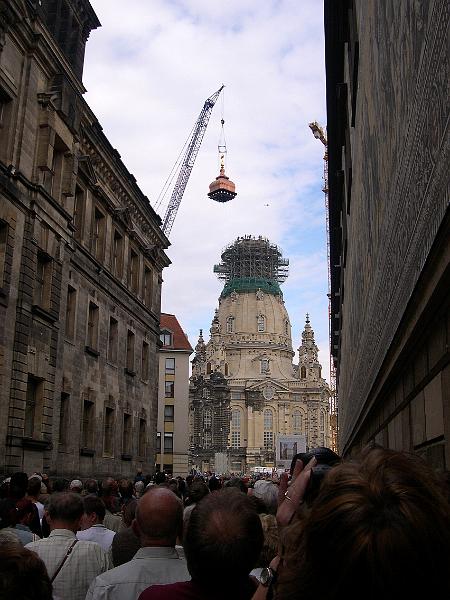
81,560
92,527
158,522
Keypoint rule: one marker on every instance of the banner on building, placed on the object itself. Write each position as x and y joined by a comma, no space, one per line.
287,446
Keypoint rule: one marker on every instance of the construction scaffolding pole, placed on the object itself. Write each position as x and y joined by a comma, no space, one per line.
320,134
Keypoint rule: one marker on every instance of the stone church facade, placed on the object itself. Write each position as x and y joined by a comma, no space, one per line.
81,257
245,388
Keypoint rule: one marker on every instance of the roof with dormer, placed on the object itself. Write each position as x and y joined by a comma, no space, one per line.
179,338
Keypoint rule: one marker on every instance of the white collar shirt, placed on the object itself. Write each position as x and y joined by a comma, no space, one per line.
98,533
84,563
150,565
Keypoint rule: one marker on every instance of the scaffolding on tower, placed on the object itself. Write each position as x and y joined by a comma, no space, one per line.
320,134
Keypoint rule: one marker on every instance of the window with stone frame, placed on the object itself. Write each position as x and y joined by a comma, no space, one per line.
207,440
142,440
113,340
144,360
6,105
230,324
207,418
148,286
88,422
169,413
302,372
130,352
64,419
98,234
261,322
33,407
268,419
108,430
71,305
43,281
264,365
297,422
169,389
3,246
126,434
235,428
117,254
133,271
79,207
92,326
168,443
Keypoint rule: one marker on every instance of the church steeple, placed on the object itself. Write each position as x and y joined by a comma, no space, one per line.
309,366
200,355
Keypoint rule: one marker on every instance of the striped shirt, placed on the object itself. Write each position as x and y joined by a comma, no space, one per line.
86,561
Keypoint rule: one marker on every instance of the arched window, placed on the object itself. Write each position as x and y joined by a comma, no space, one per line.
207,418
303,373
264,365
268,430
208,368
261,323
268,419
297,422
236,419
207,440
230,324
226,369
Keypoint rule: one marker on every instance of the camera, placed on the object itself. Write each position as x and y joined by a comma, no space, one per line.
326,460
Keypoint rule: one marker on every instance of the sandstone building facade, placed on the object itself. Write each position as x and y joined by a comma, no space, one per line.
387,67
173,399
81,257
245,389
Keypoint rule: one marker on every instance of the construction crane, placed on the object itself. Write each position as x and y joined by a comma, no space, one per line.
320,134
192,146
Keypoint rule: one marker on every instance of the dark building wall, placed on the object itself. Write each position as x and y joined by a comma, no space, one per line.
388,117
80,249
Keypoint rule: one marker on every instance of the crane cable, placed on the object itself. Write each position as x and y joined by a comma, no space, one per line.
222,145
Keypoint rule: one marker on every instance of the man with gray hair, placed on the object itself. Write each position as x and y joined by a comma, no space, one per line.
158,523
71,564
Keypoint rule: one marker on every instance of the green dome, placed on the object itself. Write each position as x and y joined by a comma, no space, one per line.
251,284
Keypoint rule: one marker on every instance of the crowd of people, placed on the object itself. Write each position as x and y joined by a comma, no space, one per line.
372,526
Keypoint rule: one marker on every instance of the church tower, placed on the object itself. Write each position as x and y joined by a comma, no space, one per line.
250,347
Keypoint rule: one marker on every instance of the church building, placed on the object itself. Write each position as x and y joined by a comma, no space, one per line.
245,389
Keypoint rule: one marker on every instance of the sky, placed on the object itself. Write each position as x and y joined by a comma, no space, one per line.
148,71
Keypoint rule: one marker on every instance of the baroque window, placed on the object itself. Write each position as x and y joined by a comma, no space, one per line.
261,321
230,324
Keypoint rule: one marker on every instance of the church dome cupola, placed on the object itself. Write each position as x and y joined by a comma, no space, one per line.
222,189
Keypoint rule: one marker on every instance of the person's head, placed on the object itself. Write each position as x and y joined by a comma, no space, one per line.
139,488
23,575
379,528
197,491
91,486
60,485
76,486
159,477
267,492
94,511
64,511
126,489
24,511
214,484
34,487
236,482
224,536
159,518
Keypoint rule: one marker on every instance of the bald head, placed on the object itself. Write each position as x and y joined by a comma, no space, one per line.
159,517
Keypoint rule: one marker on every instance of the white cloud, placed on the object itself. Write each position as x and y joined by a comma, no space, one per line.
148,71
